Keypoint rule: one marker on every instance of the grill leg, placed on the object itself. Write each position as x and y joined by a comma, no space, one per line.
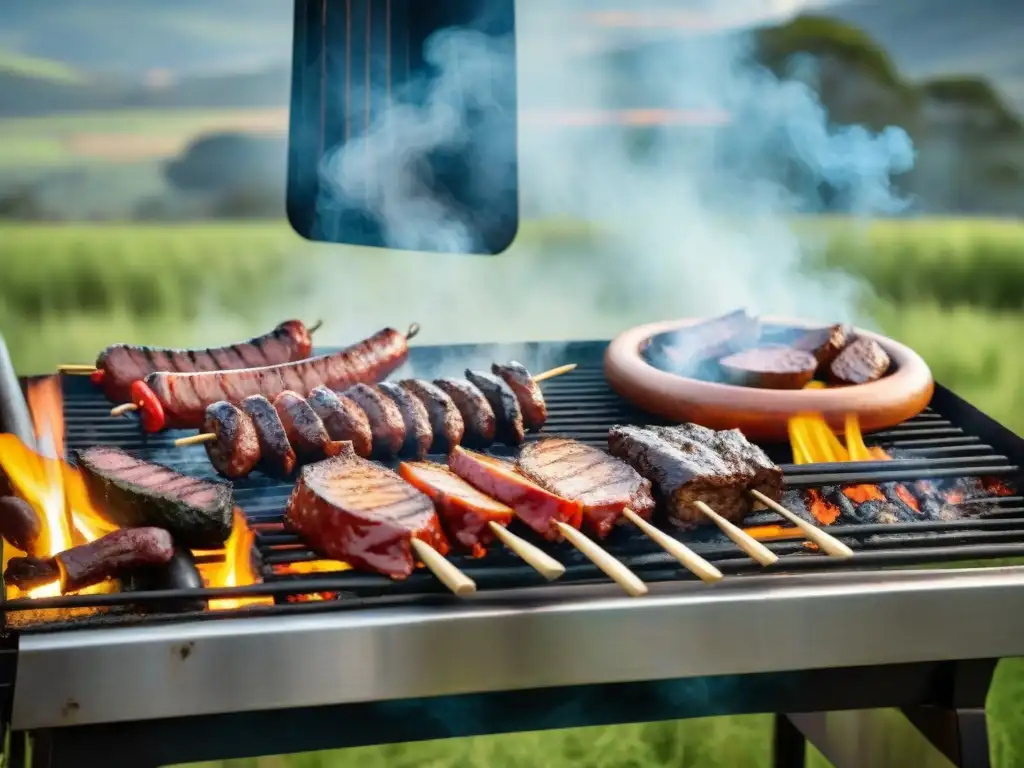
789,747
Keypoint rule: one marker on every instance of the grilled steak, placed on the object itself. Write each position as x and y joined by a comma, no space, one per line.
418,434
862,361
772,367
503,401
445,420
465,512
236,451
527,391
135,493
108,556
824,343
277,457
351,509
306,432
386,421
534,505
604,484
692,463
477,415
343,419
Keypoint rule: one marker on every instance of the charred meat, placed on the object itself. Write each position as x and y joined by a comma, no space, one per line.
465,512
445,420
477,414
136,493
527,392
418,434
774,367
306,432
343,419
385,419
20,525
108,556
604,484
277,457
862,361
503,401
236,451
692,463
824,343
351,509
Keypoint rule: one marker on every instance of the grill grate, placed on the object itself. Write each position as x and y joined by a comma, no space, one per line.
935,445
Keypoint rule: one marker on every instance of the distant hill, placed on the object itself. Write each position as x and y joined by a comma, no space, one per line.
929,38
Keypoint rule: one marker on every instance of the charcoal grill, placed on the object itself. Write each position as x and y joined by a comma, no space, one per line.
387,662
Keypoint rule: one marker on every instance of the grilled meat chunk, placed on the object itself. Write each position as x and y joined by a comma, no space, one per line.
465,512
535,506
862,361
824,343
445,420
692,463
504,403
277,457
306,432
136,493
604,484
236,451
527,392
477,414
108,556
418,434
386,421
351,509
30,572
773,367
343,419
21,526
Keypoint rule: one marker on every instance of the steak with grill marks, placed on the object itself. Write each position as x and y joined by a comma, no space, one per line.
351,509
691,463
604,484
135,493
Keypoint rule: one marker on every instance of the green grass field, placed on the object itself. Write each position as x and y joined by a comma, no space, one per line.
951,289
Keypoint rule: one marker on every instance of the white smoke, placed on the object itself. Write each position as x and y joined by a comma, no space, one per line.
702,223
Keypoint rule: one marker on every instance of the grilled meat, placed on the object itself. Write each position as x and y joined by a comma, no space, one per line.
773,367
343,419
862,361
535,506
477,414
504,403
183,397
236,451
418,434
277,457
692,463
604,484
465,512
123,364
108,556
527,392
351,509
445,420
20,525
386,422
824,343
30,572
306,433
136,493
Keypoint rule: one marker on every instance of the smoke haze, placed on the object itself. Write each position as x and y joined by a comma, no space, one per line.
698,222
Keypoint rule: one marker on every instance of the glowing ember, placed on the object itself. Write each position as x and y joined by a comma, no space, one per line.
907,497
237,570
310,566
824,511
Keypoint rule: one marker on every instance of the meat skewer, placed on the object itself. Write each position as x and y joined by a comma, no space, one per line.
120,365
472,518
610,491
548,514
354,510
179,400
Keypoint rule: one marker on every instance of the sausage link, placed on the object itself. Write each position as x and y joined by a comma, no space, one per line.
477,414
418,434
185,396
306,432
236,451
343,419
445,420
123,364
277,457
385,419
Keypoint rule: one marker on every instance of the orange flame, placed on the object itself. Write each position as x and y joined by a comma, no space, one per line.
237,570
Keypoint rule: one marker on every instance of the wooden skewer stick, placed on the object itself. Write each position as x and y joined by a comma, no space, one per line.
535,557
121,410
828,544
446,573
612,568
550,374
76,370
202,437
690,560
740,538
